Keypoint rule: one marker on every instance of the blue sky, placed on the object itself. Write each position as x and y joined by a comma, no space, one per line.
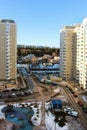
39,21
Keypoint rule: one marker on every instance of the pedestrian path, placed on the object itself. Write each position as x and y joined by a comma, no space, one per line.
42,99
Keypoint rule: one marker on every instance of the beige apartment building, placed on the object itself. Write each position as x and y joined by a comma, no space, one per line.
73,53
8,49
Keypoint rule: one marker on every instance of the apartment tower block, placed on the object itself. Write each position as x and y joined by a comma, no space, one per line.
8,49
73,53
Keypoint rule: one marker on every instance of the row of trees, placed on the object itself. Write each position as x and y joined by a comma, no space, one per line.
37,51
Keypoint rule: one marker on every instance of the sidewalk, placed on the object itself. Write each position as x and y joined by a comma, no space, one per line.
42,99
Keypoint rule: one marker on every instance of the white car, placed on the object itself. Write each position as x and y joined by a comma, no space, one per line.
73,113
70,112
68,109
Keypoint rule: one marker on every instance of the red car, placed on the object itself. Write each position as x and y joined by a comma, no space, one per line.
80,103
75,95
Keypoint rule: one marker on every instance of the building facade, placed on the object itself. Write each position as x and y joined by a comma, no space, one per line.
66,50
8,50
73,53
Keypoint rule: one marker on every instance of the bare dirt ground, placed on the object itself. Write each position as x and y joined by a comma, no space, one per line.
5,125
43,93
46,93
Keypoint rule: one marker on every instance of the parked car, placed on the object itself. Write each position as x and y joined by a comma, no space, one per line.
14,90
26,93
6,90
22,93
80,103
66,86
75,95
22,88
13,95
70,89
72,92
73,113
66,109
70,111
18,94
30,91
54,83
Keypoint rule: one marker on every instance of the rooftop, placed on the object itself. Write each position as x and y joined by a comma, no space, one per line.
7,20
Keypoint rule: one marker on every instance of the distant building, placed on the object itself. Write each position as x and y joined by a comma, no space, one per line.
56,104
73,53
30,58
8,49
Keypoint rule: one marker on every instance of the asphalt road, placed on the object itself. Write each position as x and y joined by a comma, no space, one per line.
82,115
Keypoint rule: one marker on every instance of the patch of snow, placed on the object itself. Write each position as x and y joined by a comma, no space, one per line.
47,105
51,125
36,118
2,115
57,90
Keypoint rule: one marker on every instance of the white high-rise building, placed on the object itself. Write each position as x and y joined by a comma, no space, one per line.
73,53
8,49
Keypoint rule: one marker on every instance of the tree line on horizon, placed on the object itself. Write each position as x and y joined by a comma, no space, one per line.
37,50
